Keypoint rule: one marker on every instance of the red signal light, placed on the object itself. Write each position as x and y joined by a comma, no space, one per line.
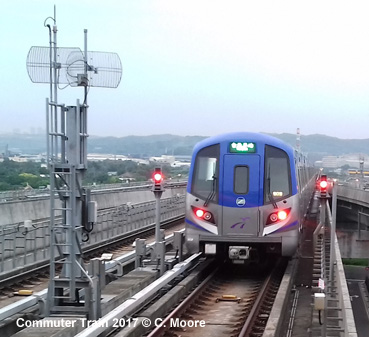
323,184
158,177
158,180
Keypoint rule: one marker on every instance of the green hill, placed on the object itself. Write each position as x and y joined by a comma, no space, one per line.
316,146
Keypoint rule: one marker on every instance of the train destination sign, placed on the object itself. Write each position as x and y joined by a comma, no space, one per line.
242,147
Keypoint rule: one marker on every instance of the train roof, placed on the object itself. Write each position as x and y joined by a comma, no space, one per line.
244,136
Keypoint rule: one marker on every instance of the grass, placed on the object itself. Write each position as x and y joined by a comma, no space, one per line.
356,262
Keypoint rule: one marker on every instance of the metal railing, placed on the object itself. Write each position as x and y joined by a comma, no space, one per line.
23,194
336,289
24,245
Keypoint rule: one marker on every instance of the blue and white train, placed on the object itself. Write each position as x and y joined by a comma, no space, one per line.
246,196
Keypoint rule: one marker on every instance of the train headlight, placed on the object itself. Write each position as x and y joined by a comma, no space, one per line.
203,214
280,215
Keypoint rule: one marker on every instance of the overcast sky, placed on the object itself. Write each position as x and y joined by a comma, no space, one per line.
200,67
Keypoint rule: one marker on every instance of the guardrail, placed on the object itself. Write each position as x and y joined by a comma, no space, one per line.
23,245
347,193
336,289
23,194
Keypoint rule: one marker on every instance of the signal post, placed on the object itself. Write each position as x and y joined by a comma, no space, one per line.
321,300
159,252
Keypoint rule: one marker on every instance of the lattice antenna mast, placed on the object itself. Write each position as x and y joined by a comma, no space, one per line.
53,63
72,214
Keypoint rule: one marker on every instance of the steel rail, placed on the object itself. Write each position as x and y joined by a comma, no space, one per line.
182,307
255,308
246,329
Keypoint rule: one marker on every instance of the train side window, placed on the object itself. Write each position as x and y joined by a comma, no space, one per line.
205,180
277,175
241,180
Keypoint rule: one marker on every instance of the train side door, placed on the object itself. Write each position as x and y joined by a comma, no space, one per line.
241,194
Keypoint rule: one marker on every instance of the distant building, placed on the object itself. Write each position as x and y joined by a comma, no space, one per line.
180,164
102,157
330,162
333,162
23,158
164,159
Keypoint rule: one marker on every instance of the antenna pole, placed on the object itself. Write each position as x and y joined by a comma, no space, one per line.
85,68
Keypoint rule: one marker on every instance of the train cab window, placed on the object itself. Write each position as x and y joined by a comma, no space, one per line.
277,177
205,179
241,180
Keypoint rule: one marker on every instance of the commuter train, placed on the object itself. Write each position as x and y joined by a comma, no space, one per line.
246,196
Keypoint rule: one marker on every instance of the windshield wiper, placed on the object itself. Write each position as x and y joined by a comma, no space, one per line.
212,192
270,196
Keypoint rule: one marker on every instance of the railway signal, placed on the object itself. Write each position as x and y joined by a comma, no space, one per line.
323,184
158,180
159,251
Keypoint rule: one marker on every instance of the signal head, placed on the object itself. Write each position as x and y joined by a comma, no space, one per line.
158,179
323,184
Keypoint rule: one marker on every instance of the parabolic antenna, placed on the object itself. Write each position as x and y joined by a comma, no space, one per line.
103,69
38,63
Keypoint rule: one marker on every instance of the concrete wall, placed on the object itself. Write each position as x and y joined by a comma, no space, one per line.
351,201
354,195
36,209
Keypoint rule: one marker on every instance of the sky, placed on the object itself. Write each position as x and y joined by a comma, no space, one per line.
199,67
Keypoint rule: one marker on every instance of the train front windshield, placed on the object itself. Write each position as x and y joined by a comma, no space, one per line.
277,177
205,180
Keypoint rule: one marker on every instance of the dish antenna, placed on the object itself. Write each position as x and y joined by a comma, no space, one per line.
102,69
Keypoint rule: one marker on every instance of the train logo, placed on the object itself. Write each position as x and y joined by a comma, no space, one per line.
242,223
240,201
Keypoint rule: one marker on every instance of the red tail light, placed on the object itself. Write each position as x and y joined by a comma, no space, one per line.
203,214
280,215
199,213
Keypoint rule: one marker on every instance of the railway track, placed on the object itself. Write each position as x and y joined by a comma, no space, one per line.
36,278
231,301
